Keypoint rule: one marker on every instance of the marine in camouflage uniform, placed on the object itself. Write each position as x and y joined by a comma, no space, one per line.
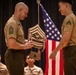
15,41
32,69
3,68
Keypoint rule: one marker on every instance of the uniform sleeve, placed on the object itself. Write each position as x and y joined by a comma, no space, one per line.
11,30
68,25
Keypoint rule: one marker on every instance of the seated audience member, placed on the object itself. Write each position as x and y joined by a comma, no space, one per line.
32,69
3,68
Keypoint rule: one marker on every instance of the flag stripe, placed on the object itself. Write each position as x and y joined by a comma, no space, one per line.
57,61
50,61
61,64
46,67
53,61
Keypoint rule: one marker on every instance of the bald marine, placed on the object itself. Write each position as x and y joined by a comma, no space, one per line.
19,9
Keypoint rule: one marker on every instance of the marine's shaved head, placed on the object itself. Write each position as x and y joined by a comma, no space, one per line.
21,11
20,6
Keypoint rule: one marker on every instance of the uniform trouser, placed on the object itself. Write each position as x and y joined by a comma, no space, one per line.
15,62
69,55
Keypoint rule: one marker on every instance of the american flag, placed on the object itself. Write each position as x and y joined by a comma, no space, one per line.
53,67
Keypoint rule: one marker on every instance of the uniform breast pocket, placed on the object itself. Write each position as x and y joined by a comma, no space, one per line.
20,31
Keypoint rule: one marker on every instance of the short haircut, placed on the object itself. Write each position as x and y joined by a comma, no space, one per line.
67,1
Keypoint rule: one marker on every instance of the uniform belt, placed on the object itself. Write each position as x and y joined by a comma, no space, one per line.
18,51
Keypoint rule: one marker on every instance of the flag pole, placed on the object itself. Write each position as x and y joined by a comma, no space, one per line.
38,1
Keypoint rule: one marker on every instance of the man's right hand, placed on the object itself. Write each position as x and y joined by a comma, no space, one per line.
28,45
